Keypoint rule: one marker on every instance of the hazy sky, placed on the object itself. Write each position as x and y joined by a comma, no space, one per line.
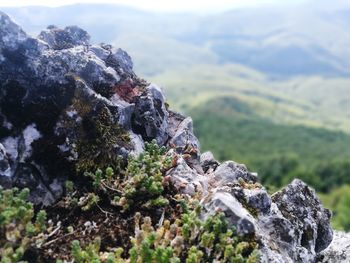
159,5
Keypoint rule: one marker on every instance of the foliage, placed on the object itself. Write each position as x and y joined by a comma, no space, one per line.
88,201
90,254
144,184
277,152
339,202
19,227
141,184
184,237
189,239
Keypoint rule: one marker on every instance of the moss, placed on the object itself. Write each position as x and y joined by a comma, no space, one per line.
100,136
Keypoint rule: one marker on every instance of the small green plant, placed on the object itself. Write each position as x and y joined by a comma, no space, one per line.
19,228
194,255
191,240
88,201
91,253
188,239
102,179
145,178
69,186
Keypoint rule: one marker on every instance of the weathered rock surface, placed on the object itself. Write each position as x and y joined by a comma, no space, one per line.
150,116
234,211
208,162
230,172
338,251
67,106
299,204
297,223
4,162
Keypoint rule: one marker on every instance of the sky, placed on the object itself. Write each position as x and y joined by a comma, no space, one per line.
157,5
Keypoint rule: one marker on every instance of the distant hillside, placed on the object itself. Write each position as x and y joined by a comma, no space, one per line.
280,41
232,130
312,101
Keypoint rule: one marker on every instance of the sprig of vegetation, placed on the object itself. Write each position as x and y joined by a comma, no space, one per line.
19,227
145,180
188,239
142,183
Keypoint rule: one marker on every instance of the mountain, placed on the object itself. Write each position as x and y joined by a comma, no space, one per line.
277,77
113,169
280,41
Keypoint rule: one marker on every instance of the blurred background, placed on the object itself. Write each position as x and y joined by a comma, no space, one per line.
266,82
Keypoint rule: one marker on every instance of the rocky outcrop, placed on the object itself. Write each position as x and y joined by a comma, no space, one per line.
67,106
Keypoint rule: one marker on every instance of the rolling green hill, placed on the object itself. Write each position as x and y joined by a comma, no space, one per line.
312,101
232,130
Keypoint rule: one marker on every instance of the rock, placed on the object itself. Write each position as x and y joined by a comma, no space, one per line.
255,199
258,200
236,214
338,251
150,115
62,101
184,136
122,61
208,162
277,236
299,204
230,171
66,38
185,142
14,34
174,120
291,226
67,106
187,180
5,170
